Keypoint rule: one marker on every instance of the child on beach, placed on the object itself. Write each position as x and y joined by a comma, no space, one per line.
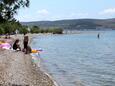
16,45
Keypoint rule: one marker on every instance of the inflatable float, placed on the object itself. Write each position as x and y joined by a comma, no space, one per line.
36,51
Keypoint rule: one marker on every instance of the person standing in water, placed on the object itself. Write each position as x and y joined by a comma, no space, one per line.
98,36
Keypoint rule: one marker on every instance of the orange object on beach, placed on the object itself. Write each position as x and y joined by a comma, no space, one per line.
35,51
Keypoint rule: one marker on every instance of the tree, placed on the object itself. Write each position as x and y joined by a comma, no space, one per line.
1,30
57,31
8,8
23,29
35,29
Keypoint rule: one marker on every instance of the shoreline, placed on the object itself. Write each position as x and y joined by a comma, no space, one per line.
17,68
39,59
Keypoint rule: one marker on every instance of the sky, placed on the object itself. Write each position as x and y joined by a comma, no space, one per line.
45,10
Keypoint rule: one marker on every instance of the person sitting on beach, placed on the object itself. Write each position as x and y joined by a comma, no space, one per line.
16,45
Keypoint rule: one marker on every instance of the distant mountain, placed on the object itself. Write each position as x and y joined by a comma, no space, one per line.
75,24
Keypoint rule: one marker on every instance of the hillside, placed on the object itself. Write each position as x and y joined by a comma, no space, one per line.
75,24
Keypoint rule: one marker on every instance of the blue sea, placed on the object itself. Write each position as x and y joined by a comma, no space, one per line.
80,59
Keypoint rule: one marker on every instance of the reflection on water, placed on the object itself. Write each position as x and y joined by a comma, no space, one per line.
79,59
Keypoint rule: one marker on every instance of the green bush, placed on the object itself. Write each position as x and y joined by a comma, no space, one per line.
23,30
35,29
55,30
1,30
9,27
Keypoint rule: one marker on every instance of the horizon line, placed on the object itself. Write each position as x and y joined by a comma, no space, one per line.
67,19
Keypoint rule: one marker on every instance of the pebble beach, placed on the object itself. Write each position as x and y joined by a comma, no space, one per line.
17,69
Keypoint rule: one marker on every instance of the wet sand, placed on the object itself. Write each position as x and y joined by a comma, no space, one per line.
17,69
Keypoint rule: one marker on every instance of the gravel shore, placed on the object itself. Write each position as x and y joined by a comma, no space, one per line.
17,69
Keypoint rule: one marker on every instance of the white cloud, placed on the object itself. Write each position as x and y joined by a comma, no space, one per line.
110,11
43,12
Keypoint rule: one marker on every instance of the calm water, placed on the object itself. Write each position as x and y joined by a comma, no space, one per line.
79,59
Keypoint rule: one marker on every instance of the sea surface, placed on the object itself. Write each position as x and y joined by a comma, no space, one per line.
80,59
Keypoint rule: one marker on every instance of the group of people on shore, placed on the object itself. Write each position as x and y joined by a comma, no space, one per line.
26,48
